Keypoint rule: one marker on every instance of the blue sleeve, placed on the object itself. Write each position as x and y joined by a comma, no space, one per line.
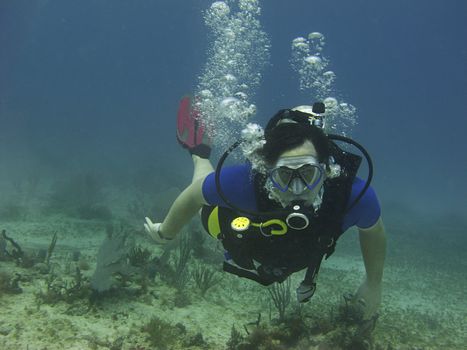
366,212
236,184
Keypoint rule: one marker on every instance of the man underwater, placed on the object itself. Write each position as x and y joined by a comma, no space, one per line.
285,212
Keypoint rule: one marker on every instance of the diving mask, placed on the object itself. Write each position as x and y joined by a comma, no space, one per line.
296,174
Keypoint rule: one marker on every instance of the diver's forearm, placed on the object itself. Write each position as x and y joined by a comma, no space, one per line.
182,210
373,246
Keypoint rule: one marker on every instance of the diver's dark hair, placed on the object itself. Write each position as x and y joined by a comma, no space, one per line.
291,134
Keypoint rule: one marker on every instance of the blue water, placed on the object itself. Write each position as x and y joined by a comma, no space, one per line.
98,82
92,88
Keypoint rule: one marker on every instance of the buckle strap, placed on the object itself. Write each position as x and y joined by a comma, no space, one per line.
250,274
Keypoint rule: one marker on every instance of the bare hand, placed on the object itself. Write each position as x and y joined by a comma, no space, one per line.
371,295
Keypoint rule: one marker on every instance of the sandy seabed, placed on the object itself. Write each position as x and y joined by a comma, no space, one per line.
423,304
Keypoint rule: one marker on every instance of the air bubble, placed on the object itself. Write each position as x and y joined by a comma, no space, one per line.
313,60
241,95
330,103
315,35
237,53
220,8
228,102
230,78
317,81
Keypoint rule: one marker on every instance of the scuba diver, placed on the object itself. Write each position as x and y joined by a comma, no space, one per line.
284,209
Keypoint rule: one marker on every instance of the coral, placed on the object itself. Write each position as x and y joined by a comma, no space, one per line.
112,259
3,246
161,334
50,250
11,250
9,284
346,328
16,252
352,310
235,340
291,330
182,299
196,340
259,339
139,257
205,278
280,294
146,266
181,263
198,238
59,290
176,272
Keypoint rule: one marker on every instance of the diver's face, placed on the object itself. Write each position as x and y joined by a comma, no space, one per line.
297,174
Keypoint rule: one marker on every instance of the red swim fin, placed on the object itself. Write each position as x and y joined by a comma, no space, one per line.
191,134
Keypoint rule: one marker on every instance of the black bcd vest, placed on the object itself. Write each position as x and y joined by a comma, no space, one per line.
277,256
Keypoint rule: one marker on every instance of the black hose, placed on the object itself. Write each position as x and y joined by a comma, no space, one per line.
368,159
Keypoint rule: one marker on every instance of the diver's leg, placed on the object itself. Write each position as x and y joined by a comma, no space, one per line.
201,167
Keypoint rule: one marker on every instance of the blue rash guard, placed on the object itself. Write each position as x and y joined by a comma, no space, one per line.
237,185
